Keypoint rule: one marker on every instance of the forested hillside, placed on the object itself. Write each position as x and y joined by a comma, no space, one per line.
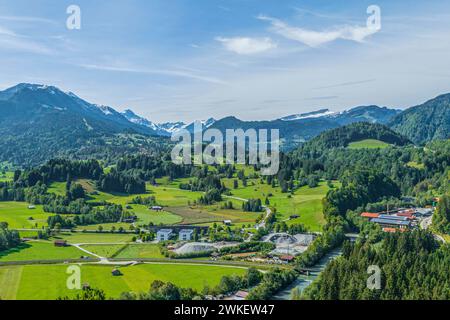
38,123
343,136
415,170
413,267
426,122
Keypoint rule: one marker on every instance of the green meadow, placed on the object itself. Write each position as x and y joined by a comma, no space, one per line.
95,238
18,216
42,250
305,202
147,216
104,250
58,188
49,282
368,144
28,234
143,251
105,227
168,195
413,164
7,176
178,206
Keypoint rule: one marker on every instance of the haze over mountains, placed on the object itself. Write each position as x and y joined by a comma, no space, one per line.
39,117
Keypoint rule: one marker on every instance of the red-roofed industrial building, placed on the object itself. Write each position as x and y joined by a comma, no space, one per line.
393,230
370,215
287,258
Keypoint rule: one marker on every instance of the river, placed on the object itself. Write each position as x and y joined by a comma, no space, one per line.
304,281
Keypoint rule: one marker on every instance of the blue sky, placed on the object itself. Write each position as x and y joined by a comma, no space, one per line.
255,59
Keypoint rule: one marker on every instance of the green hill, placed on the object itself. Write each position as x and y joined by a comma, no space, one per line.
426,122
362,133
368,144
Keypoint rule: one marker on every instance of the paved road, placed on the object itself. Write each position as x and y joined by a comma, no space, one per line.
78,246
262,224
425,225
236,198
439,238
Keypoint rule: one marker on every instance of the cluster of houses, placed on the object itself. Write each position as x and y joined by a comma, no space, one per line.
168,234
397,220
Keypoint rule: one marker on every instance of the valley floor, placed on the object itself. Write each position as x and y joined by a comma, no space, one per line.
48,282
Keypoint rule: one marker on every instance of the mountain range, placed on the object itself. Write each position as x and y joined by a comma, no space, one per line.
164,129
38,121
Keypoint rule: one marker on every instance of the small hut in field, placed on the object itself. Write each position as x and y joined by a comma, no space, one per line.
116,272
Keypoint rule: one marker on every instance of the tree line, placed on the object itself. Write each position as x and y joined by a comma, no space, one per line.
413,267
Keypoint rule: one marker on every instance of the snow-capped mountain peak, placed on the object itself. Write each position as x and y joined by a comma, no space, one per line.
208,123
134,118
309,115
171,127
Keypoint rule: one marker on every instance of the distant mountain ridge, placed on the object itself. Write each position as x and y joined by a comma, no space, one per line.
27,104
39,122
165,129
296,129
373,114
308,115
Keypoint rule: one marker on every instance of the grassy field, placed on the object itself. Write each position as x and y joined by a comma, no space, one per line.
210,214
49,282
368,144
40,251
9,282
195,215
105,226
147,216
18,216
95,238
165,195
305,202
58,188
144,251
106,251
7,176
179,205
28,234
413,164
176,204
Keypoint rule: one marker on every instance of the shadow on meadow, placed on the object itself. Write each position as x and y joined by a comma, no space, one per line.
22,246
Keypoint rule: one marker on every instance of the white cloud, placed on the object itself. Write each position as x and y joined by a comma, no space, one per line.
313,38
15,44
27,19
7,32
172,73
9,40
247,46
